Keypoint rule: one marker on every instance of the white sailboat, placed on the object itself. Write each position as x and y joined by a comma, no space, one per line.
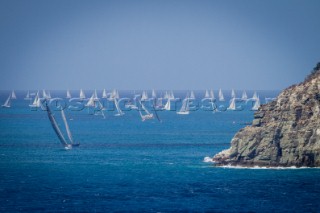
232,105
68,94
167,106
255,96
13,95
147,115
206,95
82,95
27,96
166,95
233,94
37,101
7,104
256,104
184,110
192,96
221,97
144,96
120,113
244,96
154,95
212,95
104,94
95,95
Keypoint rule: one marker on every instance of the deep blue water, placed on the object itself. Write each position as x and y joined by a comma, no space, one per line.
124,164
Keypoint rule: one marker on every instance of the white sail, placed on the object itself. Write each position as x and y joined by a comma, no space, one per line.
206,95
66,125
244,95
68,94
104,93
95,95
82,95
118,108
255,96
221,97
8,102
48,95
184,110
13,95
90,103
117,96
192,96
37,101
211,94
167,106
256,104
27,96
147,116
171,95
166,96
233,94
154,95
44,94
144,96
232,105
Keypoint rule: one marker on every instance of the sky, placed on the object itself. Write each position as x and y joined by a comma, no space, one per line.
157,44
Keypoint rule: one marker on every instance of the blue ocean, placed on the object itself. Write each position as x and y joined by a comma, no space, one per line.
126,165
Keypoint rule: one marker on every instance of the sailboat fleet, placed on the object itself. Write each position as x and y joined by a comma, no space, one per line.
164,101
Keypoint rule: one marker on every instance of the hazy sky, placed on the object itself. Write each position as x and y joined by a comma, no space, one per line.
160,44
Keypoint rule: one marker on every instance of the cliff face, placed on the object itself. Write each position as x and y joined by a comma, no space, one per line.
285,132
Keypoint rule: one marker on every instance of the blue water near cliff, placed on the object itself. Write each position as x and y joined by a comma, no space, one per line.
124,164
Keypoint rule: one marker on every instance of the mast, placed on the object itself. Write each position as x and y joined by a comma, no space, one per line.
56,128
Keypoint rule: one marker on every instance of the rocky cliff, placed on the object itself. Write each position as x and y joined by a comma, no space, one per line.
285,132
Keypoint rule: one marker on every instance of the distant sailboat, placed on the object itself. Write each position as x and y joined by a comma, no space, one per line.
212,95
144,96
147,116
37,101
27,96
120,113
13,95
244,96
232,105
255,96
154,95
221,97
68,94
167,106
256,104
206,95
233,94
82,95
184,110
95,95
7,104
104,94
192,96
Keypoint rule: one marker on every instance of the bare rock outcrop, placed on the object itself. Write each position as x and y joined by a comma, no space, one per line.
285,132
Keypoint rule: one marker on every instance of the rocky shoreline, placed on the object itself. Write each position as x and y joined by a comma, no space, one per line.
285,132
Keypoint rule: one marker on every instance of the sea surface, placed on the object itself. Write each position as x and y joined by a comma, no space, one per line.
126,165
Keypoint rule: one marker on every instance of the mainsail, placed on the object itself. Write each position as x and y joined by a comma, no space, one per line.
184,110
256,104
82,95
206,95
68,94
8,102
244,95
221,97
13,95
232,105
104,94
233,94
27,96
58,131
